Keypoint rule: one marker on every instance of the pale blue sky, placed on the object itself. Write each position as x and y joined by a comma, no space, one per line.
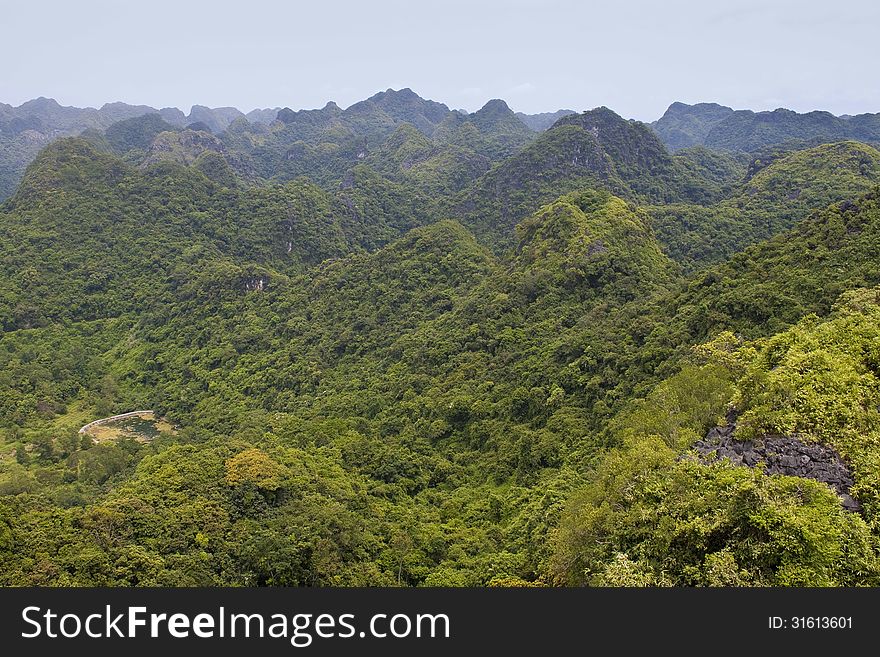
631,55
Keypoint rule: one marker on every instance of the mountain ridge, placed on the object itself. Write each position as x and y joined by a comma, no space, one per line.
475,358
720,127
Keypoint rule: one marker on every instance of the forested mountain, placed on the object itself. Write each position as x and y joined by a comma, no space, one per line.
543,120
595,149
684,125
325,144
778,190
719,127
398,344
281,143
25,129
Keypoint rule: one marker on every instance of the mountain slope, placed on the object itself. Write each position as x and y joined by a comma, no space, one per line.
684,125
596,149
364,392
26,129
325,143
772,198
719,127
116,261
747,131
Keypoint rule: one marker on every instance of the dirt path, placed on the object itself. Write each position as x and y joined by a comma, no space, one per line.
149,415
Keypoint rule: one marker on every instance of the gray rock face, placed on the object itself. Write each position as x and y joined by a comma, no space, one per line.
786,455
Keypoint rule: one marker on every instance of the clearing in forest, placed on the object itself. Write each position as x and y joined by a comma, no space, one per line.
142,426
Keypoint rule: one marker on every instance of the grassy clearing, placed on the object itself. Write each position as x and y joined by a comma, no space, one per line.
143,428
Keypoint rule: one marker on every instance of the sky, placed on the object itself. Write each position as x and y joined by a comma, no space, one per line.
634,56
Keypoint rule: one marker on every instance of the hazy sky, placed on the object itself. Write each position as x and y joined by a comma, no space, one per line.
631,55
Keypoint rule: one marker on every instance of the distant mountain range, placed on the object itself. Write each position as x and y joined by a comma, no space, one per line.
281,143
46,115
26,129
723,128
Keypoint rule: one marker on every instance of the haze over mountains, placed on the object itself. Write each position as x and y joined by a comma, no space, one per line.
720,127
400,344
25,129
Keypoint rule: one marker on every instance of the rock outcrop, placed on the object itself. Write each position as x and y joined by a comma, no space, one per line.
786,455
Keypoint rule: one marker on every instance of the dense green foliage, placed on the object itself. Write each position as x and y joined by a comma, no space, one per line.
596,149
26,129
136,133
648,517
409,346
771,198
324,144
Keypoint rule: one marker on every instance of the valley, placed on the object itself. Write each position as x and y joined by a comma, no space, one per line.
398,344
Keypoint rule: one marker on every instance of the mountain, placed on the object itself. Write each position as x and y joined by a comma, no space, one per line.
592,242
722,128
265,116
401,345
777,192
745,130
325,143
217,119
761,290
200,277
630,523
103,200
719,171
437,169
45,114
597,148
405,106
542,121
504,134
684,125
375,116
25,129
629,144
137,132
771,285
780,327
